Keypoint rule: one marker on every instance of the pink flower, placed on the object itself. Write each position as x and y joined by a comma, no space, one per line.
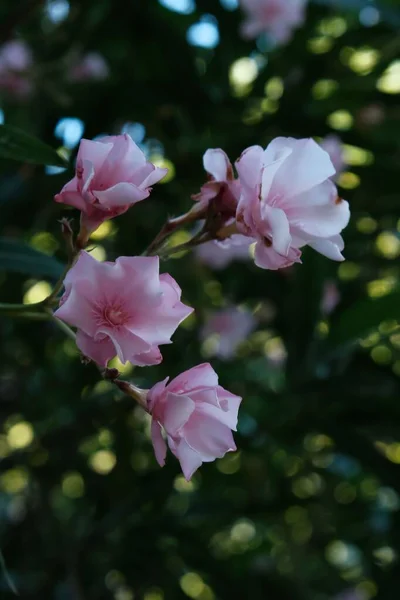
333,145
112,174
15,60
232,326
288,201
197,415
218,255
222,188
330,297
92,67
124,308
278,18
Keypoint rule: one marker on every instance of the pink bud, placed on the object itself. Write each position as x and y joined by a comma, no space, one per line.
197,415
124,308
232,326
15,60
91,67
112,174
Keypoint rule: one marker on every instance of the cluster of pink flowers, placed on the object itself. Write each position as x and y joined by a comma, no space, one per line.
282,199
16,69
277,18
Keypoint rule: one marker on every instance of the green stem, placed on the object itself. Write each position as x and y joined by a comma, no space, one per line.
61,325
24,311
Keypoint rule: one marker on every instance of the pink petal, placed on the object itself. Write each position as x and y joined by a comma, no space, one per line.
156,174
77,310
100,351
307,166
267,258
249,166
127,344
217,164
178,409
209,437
159,445
150,358
124,159
201,376
331,248
189,459
279,227
120,195
94,152
321,221
273,160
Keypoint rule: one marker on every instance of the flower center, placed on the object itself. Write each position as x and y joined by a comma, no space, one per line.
111,315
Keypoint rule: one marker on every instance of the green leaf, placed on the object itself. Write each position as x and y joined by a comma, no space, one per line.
18,257
18,145
358,320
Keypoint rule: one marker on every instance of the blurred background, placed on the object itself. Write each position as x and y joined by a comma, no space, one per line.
308,508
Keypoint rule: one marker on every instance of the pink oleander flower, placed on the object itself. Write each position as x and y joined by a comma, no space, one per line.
197,415
15,60
278,18
91,67
288,201
222,188
124,308
333,145
112,174
219,255
232,326
330,297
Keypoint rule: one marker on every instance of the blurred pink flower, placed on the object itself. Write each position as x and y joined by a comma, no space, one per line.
330,297
112,174
124,308
218,255
232,325
15,60
333,145
288,201
222,188
198,417
278,18
91,67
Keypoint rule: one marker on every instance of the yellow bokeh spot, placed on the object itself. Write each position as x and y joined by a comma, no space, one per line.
45,242
105,437
340,120
243,72
307,486
20,435
274,88
73,485
154,594
393,453
269,106
103,461
395,340
106,229
388,244
14,480
348,180
4,447
389,83
230,464
396,368
164,163
324,88
385,555
320,45
99,253
348,271
192,585
337,553
357,157
364,60
380,287
183,486
176,239
371,340
366,225
125,369
124,593
334,26
367,588
243,532
382,355
37,292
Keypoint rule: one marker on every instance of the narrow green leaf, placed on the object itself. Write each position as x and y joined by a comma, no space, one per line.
18,257
18,145
363,316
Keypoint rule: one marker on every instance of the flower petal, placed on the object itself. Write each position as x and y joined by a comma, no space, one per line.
120,195
100,351
217,164
178,409
159,445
